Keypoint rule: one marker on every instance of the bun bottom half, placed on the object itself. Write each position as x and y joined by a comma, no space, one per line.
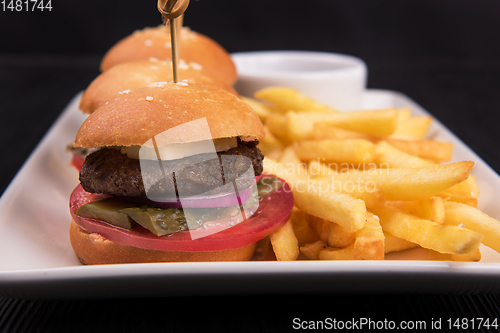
94,249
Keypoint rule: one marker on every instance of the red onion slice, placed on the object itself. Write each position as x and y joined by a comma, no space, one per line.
225,199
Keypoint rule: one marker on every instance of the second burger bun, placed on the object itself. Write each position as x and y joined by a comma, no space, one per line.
193,47
136,117
134,75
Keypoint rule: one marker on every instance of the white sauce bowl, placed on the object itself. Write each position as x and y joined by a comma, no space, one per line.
337,80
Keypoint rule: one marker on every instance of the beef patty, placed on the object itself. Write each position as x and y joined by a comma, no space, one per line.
108,171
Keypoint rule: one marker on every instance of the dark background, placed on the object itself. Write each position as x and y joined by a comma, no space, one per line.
444,54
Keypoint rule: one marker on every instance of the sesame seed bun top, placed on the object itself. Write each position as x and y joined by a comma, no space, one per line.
135,118
129,76
155,42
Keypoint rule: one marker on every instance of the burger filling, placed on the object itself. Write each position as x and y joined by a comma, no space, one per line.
109,171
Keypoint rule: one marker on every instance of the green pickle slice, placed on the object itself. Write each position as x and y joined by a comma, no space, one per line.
268,185
164,221
108,210
160,221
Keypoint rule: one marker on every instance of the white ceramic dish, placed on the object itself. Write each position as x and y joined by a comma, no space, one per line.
36,260
335,79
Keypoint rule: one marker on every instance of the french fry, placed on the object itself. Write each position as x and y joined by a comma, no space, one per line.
263,110
375,122
387,156
341,166
303,231
274,154
466,201
473,256
312,250
441,238
404,114
342,208
366,192
269,143
316,168
431,209
330,232
459,214
410,183
277,125
264,250
344,167
329,205
413,128
290,159
465,192
284,243
467,188
332,253
271,166
394,244
368,244
322,131
427,149
286,99
347,151
370,240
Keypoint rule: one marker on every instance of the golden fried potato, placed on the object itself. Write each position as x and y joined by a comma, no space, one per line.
411,183
287,99
441,238
462,215
284,243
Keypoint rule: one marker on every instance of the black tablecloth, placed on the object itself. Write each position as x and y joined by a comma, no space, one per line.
456,78
250,314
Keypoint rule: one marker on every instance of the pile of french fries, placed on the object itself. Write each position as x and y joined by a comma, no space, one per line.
366,183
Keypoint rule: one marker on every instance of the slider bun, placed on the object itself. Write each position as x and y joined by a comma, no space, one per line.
155,42
94,249
138,74
136,117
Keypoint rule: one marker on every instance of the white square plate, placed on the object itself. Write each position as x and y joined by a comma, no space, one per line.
37,262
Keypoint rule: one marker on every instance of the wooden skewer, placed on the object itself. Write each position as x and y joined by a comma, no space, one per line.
169,14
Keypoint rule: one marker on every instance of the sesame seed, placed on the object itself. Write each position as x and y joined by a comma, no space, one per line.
196,66
461,225
183,64
181,83
149,98
124,92
156,84
148,42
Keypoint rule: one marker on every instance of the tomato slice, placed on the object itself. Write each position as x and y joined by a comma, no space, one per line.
77,162
273,212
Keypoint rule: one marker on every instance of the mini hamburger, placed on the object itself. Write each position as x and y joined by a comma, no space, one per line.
157,189
129,76
193,47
